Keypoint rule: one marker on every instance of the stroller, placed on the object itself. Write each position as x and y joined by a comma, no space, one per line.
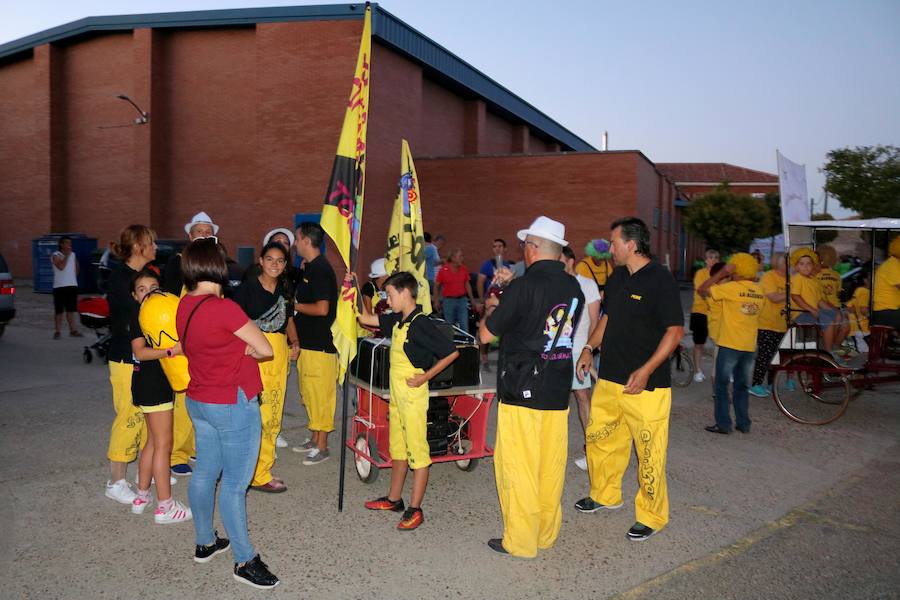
94,314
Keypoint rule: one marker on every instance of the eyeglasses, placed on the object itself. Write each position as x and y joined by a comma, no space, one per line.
527,243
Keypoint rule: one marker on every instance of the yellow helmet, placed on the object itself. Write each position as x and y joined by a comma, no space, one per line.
745,266
157,321
799,253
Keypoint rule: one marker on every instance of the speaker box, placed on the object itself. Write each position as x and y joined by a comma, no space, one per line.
372,365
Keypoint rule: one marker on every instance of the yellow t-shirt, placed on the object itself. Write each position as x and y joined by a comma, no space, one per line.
830,284
594,272
858,306
772,316
713,315
742,301
700,305
887,278
807,288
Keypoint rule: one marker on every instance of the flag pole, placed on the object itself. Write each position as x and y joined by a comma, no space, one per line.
354,259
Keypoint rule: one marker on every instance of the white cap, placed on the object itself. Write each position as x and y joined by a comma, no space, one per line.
546,228
198,219
271,234
378,268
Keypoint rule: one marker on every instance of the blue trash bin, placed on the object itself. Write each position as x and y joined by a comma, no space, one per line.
42,269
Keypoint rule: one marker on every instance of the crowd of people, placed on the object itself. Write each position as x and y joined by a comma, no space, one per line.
551,313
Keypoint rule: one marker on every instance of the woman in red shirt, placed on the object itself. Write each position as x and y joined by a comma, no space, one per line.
453,291
221,345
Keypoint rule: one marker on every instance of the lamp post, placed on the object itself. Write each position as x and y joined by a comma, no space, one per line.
144,116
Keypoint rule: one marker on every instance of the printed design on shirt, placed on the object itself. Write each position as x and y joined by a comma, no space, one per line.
604,432
273,319
561,315
751,307
647,472
636,297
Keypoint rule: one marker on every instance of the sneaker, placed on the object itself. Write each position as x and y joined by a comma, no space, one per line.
182,470
176,512
412,518
316,456
305,447
120,491
385,503
256,574
280,442
496,544
140,502
587,505
759,391
581,463
640,532
716,429
699,377
204,554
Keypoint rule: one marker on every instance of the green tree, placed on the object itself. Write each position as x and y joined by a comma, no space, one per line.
865,179
824,236
773,204
728,222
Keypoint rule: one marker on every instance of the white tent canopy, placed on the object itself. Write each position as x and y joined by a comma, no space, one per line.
801,234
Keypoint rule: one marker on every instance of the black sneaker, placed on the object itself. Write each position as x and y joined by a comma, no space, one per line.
256,574
588,505
496,544
204,554
640,532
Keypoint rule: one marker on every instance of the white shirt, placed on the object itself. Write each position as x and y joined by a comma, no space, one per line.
583,329
66,276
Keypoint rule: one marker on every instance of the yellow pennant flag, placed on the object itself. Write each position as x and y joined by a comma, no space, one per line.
406,238
343,209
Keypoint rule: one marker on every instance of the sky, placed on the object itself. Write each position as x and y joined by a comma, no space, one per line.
691,81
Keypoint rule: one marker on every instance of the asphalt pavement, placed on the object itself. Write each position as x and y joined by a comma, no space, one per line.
788,511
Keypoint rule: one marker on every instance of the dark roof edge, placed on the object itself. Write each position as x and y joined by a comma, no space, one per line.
385,27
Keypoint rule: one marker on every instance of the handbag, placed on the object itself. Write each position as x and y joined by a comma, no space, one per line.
520,382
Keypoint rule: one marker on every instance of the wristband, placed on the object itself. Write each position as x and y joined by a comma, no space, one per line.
589,348
169,352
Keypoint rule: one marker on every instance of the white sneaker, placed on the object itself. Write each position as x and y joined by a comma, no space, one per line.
120,491
581,463
699,377
305,447
140,503
280,442
177,513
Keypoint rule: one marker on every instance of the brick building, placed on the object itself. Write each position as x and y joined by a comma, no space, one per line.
245,108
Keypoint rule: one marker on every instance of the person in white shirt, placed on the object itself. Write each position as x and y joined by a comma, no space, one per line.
65,286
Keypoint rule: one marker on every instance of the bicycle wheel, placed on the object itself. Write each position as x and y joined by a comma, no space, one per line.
812,389
682,368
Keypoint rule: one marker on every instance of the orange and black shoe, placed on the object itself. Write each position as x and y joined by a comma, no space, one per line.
385,503
412,518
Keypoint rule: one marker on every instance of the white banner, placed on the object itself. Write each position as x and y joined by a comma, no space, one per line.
794,198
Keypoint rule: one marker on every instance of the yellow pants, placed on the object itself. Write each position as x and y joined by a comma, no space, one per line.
273,373
182,433
128,433
408,412
530,465
617,420
317,372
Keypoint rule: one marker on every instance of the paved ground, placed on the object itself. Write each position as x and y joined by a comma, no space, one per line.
785,512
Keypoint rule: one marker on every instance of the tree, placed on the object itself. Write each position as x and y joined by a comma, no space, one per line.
824,236
865,179
728,222
773,204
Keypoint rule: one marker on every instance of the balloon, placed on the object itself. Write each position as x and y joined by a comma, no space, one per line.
157,320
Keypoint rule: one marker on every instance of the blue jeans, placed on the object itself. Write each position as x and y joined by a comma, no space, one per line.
456,312
227,437
738,364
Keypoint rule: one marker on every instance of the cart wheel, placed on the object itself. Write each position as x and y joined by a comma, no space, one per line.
466,464
682,368
365,470
812,389
88,357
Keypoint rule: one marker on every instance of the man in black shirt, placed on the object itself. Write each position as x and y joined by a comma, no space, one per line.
641,326
316,306
535,317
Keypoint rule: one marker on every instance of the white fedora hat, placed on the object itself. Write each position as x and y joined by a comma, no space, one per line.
546,228
378,268
282,230
201,218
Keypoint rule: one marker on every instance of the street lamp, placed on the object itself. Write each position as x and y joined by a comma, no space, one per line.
143,118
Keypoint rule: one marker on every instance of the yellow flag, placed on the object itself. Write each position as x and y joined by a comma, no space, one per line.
406,238
343,209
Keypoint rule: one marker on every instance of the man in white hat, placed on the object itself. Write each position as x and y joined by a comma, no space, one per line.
535,318
200,226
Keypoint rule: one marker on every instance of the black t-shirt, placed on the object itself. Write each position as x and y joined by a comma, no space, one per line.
640,307
531,310
122,309
425,344
172,279
267,309
149,385
316,282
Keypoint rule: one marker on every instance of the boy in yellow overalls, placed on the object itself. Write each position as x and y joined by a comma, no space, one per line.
419,351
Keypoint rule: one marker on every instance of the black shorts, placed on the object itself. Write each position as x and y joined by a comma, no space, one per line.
699,328
65,299
888,318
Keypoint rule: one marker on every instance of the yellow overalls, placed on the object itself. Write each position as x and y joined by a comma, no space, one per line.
273,373
408,411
